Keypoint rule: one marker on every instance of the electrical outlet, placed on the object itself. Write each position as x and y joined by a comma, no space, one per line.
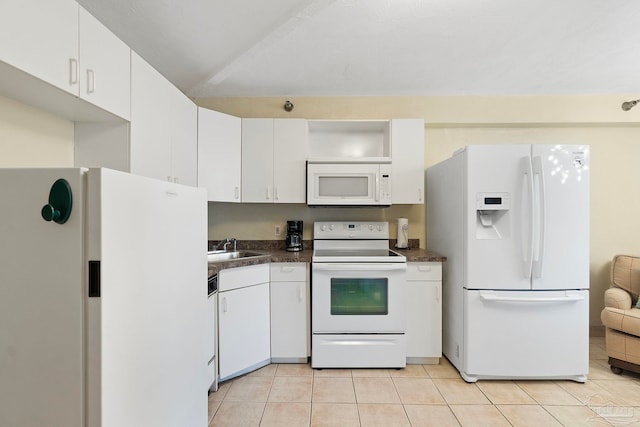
277,230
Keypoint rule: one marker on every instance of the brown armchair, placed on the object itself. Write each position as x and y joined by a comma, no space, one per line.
620,316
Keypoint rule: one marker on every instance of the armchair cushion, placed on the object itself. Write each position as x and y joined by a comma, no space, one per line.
625,274
617,298
627,321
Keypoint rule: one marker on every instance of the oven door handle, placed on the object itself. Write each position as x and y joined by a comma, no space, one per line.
389,266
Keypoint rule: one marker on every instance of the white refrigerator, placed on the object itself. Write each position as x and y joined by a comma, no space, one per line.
102,300
513,222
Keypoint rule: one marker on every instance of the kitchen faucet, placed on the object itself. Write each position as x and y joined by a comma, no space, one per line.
226,242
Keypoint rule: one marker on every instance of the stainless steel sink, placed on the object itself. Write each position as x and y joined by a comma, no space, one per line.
218,256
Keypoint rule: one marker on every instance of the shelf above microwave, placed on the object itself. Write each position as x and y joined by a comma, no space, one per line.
341,160
350,140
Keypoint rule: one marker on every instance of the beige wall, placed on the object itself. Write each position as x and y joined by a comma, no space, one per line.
33,138
30,137
453,122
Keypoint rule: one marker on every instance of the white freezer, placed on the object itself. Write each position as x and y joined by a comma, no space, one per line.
512,218
527,335
130,352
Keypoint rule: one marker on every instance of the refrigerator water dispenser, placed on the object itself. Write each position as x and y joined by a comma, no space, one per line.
492,215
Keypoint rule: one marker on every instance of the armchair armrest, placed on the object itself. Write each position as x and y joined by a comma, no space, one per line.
617,298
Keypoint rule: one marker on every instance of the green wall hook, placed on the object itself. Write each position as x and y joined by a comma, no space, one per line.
60,201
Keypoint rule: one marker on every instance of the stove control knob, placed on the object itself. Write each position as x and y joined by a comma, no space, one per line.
380,227
323,227
331,227
371,227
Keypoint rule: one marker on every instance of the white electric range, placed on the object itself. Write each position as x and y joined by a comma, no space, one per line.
358,297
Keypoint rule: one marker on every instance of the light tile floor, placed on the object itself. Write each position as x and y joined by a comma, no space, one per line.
423,395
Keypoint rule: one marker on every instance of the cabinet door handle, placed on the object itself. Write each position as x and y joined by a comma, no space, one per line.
91,81
73,71
437,288
169,178
175,179
275,193
224,304
424,268
268,194
236,193
419,194
299,292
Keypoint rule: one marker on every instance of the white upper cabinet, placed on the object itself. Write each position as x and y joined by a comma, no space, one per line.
150,128
184,138
289,160
40,37
407,160
163,127
257,160
61,44
219,155
105,67
274,152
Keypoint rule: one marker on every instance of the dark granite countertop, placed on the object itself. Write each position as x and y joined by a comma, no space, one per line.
420,255
275,255
281,255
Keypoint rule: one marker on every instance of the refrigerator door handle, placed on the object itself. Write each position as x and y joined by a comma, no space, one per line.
538,257
527,216
566,298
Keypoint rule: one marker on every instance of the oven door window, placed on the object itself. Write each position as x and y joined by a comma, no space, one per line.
360,296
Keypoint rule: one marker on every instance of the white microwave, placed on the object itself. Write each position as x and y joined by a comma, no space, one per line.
348,184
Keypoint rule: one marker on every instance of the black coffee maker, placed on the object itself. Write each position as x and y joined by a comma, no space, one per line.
294,236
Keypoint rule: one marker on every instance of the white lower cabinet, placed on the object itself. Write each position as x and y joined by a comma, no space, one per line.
290,313
424,312
243,320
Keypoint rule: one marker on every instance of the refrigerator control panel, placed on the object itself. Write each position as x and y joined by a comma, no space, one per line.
492,201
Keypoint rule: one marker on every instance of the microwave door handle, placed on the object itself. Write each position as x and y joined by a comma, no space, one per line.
377,188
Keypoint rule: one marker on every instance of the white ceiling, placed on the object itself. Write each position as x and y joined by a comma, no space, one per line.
383,47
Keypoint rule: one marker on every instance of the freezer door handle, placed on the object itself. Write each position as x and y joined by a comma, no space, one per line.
538,251
566,298
94,279
527,216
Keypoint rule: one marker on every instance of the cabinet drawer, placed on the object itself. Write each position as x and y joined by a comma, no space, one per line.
424,271
240,277
288,272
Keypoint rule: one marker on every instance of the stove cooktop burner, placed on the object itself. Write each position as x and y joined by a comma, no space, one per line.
320,253
357,255
355,242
